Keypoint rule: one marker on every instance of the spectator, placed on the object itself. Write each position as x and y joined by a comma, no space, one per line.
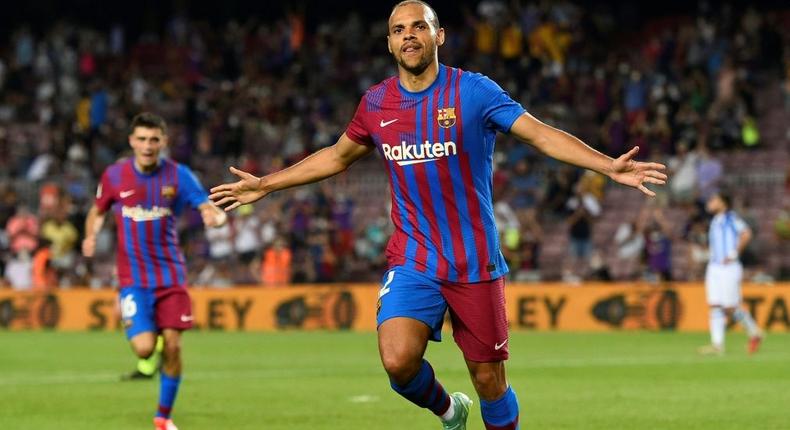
525,185
49,200
530,240
247,238
658,245
324,259
220,241
63,237
635,94
22,231
264,93
683,170
343,224
615,133
584,209
44,276
276,264
8,203
19,271
599,269
629,240
559,190
508,227
511,45
709,174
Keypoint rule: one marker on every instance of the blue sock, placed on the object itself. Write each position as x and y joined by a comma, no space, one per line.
168,388
425,391
501,414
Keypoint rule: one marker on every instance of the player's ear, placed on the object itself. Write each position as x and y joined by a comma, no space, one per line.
440,36
389,47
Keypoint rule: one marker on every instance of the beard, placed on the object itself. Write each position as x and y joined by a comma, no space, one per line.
416,69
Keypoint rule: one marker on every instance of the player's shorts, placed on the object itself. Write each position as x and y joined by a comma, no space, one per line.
723,284
153,309
477,310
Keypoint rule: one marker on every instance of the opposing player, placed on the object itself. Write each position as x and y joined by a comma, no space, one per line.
728,236
435,128
146,193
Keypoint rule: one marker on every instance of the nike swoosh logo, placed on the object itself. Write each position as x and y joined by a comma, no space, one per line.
187,318
386,123
498,346
125,194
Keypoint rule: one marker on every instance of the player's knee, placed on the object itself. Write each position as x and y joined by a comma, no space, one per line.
400,366
143,350
489,383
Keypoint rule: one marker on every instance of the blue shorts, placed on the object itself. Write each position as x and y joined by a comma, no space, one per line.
153,309
477,310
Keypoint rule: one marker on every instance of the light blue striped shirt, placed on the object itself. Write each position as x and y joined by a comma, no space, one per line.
724,234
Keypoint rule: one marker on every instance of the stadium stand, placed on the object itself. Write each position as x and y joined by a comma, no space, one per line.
261,94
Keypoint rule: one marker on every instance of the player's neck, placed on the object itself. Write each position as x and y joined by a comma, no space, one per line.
147,169
416,83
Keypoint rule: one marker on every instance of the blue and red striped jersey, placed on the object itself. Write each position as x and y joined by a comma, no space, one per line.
438,147
145,206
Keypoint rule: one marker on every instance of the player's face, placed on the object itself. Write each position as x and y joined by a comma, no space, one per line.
147,143
412,40
714,204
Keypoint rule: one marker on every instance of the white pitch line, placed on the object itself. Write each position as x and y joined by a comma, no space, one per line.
282,373
364,398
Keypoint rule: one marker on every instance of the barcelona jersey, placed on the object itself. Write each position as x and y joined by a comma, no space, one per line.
438,147
145,206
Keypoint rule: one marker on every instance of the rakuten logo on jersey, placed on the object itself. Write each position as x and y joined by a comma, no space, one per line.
139,213
405,155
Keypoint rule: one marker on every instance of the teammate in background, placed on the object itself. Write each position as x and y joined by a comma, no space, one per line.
728,236
146,193
435,127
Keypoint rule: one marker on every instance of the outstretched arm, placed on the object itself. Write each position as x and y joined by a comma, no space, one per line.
322,164
565,147
93,224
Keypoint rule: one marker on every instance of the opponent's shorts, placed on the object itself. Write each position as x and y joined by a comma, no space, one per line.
154,309
477,310
723,284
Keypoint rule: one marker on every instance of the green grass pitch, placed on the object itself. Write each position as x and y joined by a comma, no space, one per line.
326,381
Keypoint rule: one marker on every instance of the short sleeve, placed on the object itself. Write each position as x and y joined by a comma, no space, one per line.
356,130
190,191
498,110
104,193
739,224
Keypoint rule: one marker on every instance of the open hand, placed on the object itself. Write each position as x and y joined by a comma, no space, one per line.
636,173
246,190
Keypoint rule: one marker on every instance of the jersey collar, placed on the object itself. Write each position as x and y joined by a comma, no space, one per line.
440,78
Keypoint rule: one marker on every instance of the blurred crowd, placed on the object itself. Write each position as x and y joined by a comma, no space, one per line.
261,94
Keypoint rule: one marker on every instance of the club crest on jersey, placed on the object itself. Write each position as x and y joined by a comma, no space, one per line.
446,117
168,191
